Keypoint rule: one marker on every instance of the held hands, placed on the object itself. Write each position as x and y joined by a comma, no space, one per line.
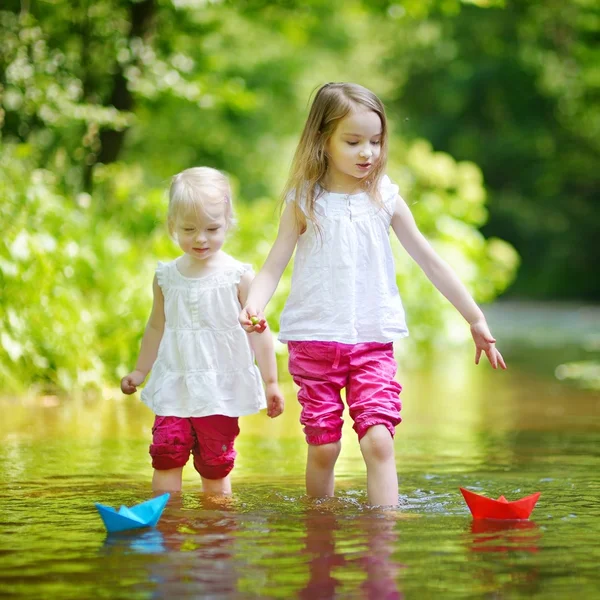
275,401
129,383
485,342
252,320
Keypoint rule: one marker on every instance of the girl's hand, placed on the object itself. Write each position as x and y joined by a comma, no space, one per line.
485,342
129,383
252,320
275,401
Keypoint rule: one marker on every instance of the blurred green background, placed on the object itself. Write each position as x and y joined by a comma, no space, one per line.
494,111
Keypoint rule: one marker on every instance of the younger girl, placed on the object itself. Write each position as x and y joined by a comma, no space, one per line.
344,310
203,373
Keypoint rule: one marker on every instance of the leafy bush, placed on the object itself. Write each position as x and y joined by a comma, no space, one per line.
76,271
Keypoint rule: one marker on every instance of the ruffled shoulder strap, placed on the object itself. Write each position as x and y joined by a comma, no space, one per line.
162,273
241,269
388,191
291,197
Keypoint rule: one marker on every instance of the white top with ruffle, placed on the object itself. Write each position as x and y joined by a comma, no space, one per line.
344,279
205,365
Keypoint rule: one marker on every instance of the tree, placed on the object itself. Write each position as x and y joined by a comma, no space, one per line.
517,91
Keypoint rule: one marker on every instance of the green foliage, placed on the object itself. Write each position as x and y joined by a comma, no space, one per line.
517,92
100,104
52,76
448,201
67,286
76,272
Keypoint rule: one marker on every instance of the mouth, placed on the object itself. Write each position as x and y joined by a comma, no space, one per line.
200,250
364,165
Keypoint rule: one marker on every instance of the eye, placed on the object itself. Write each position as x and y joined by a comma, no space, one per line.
214,228
352,143
376,143
188,229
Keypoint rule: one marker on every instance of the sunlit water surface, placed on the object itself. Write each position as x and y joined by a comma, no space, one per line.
509,433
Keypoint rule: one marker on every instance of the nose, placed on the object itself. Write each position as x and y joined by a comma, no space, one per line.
200,237
366,153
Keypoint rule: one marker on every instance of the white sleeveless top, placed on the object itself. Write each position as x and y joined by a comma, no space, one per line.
205,365
344,279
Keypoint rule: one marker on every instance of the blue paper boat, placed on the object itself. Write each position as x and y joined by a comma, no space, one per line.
145,514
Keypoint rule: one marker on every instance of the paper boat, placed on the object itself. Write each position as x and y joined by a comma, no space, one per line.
482,507
145,514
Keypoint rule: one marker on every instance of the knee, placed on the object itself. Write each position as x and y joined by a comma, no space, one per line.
325,455
377,445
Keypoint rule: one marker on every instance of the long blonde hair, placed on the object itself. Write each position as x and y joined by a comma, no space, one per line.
332,103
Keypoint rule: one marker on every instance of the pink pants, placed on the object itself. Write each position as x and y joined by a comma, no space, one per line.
209,439
367,371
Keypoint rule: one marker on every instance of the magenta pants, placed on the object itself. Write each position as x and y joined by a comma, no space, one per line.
367,371
209,439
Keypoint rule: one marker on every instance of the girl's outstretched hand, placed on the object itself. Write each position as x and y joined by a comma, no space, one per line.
252,320
485,342
275,401
129,383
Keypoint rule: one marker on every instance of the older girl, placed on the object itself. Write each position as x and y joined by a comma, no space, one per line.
344,310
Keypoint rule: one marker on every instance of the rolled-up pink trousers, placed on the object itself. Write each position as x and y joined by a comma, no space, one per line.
366,370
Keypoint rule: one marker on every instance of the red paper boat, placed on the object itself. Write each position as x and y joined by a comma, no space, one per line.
488,508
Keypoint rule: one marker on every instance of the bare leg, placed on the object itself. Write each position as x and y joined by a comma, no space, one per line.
320,462
216,486
167,481
377,447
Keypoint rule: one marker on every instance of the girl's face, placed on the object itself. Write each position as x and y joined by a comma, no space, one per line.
201,234
353,149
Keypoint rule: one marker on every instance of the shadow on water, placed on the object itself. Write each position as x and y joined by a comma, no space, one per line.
509,433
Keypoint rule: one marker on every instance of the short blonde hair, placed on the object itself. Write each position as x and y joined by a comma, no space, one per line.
196,188
332,103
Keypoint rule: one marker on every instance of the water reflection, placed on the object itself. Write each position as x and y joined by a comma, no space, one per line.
200,550
339,551
149,541
195,550
321,555
462,428
501,546
492,535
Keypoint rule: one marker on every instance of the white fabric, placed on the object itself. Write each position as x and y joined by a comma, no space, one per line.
344,280
205,365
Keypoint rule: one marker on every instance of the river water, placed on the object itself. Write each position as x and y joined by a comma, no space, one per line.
511,433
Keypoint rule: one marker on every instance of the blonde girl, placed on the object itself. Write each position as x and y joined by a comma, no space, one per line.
344,310
203,363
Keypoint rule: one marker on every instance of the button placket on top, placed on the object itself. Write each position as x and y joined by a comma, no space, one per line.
349,203
194,295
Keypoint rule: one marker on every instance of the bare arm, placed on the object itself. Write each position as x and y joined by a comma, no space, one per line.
264,352
436,269
445,280
150,342
265,283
